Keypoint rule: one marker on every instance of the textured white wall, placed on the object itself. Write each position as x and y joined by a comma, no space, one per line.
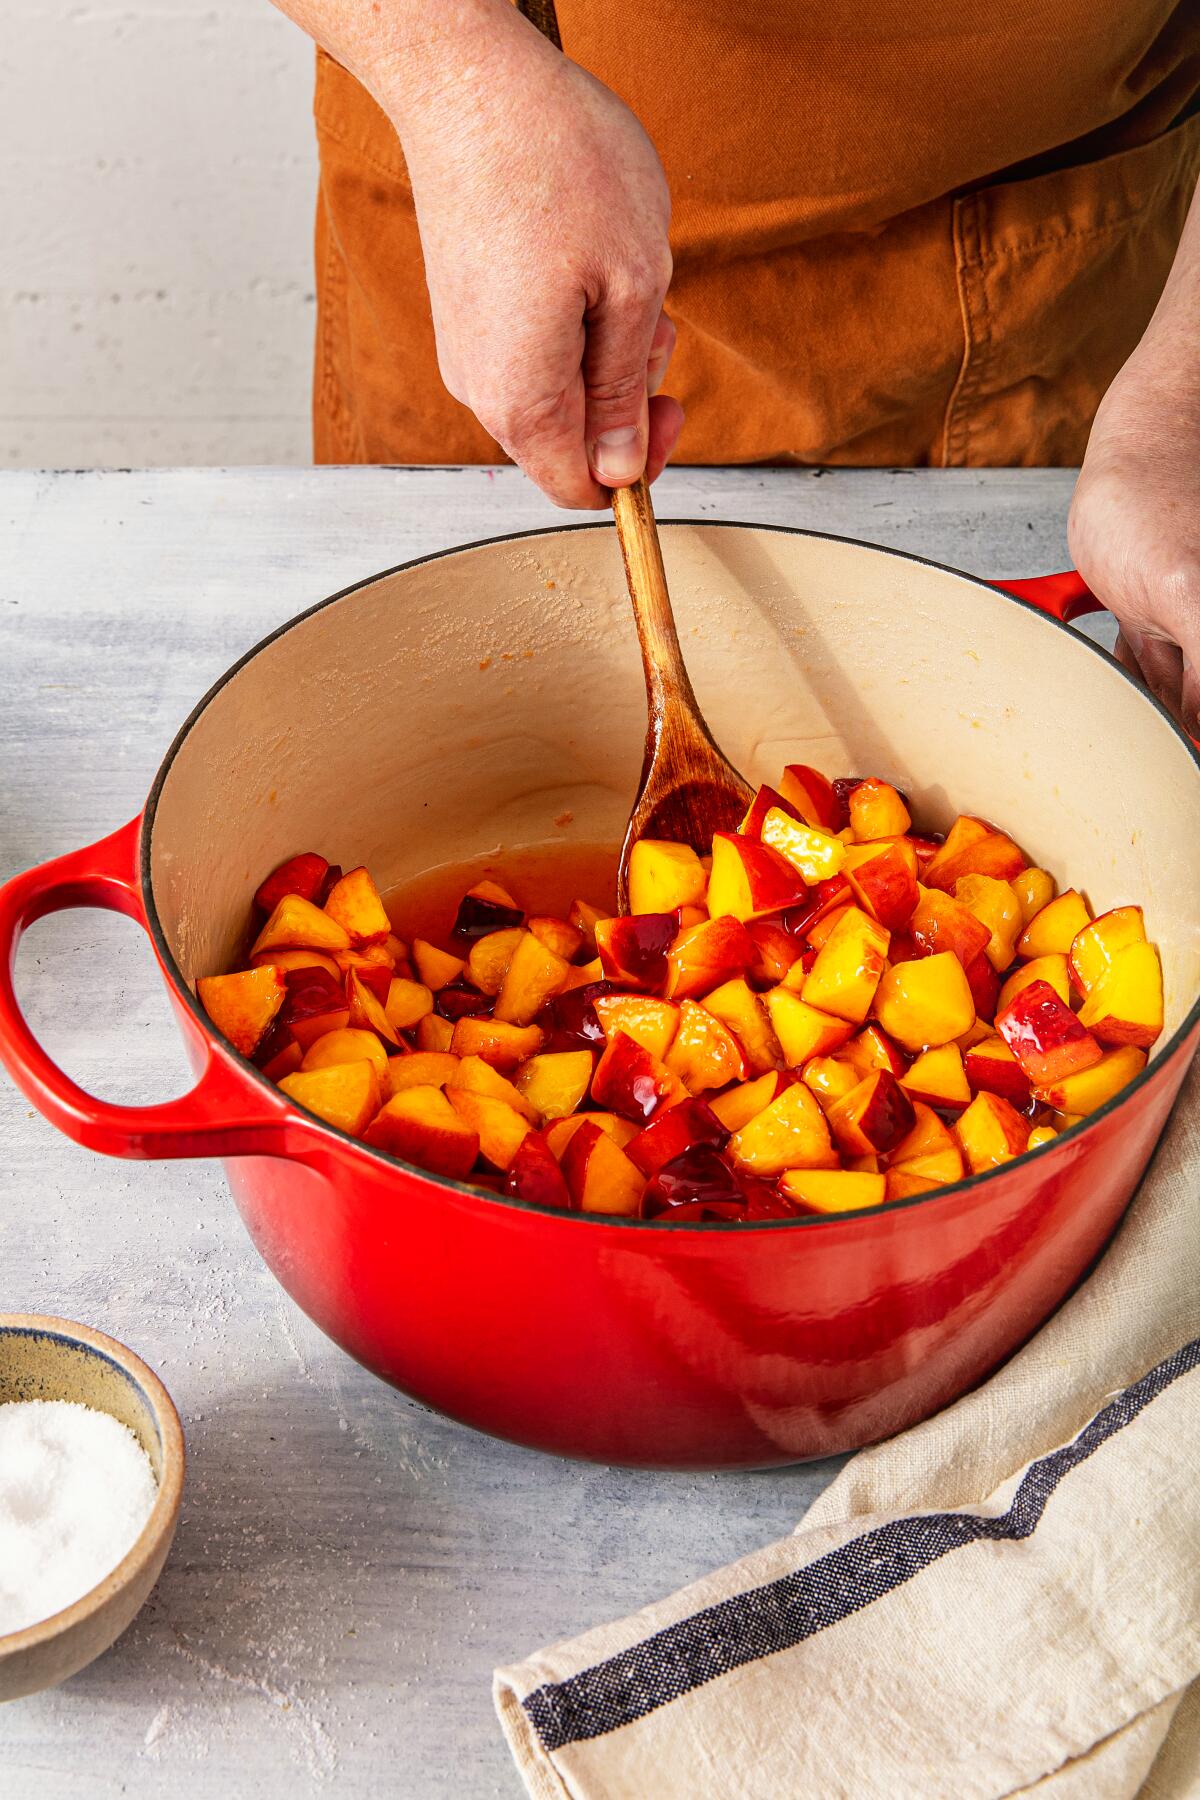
157,176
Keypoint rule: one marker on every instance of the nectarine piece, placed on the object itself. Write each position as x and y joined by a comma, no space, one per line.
599,1176
419,1125
458,1000
355,904
737,1005
764,800
873,1117
704,1053
822,929
704,955
848,969
534,1174
994,903
484,908
938,1078
503,1045
664,876
367,1012
296,924
1043,968
648,1021
925,1003
973,847
489,957
434,1035
833,1190
991,1132
883,880
435,968
941,923
303,875
742,1103
1034,888
500,1127
790,1133
872,1048
556,1082
816,855
535,974
635,949
1125,1006
929,1138
984,984
287,960
1088,1089
557,935
830,1078
279,1056
407,1003
750,880
1094,948
669,1134
344,1094
991,1068
346,1046
242,1006
479,1077
631,1082
877,810
419,1068
812,795
802,1030
559,1132
585,917
571,1022
697,1184
776,950
1053,930
826,898
1045,1036
1041,1134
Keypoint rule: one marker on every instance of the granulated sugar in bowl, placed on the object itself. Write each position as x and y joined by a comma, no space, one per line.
76,1490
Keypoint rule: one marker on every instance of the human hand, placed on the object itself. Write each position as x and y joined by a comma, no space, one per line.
543,211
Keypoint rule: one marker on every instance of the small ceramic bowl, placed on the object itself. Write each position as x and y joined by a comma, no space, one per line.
54,1359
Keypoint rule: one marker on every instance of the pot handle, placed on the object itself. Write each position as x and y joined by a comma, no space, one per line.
1064,596
105,876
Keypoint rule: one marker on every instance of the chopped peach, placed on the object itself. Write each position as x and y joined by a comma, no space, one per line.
706,954
419,1125
672,1133
585,917
991,1068
764,800
285,1061
929,1137
829,1078
877,811
435,1034
435,968
355,904
994,903
1052,969
811,794
242,1006
556,1082
991,1132
631,1082
345,1094
872,1048
790,1133
737,1005
559,1132
345,1047
750,880
906,1182
600,1177
803,1030
585,975
817,855
705,1054
499,1127
941,923
407,1003
419,1068
1087,1089
873,1117
489,957
832,1190
306,1030
883,879
973,847
822,929
635,950
535,974
937,1167
664,876
304,875
1034,888
742,1103
534,1174
479,1077
1045,1036
1094,948
848,968
938,1078
296,924
504,1046
485,908
285,960
366,1012
925,1003
649,1022
1041,1134
984,984
565,939
1053,930
776,951
1126,1005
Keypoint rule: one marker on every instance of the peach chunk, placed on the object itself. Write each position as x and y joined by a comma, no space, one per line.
1045,1036
296,924
419,1068
776,951
599,1176
435,1034
479,1077
671,1133
534,1174
938,1078
1094,948
803,1030
296,959
973,847
649,1022
535,974
304,875
994,903
504,1046
1053,930
991,1068
635,949
705,1054
848,968
873,1117
664,876
872,1048
366,1011
489,957
1090,1088
585,917
925,1003
1125,1006
345,1094
499,1127
790,1133
817,855
750,880
706,954
883,879
744,1102
812,795
347,1046
941,923
407,1003
877,811
435,968
737,1005
829,1078
631,1082
833,1190
930,1150
557,935
1043,968
420,1126
1034,888
556,1082
242,1006
991,1132
354,902
559,1132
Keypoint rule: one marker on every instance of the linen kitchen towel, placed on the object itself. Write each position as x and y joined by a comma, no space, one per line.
1003,1601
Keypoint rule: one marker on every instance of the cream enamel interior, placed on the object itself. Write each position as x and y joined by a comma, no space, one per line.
465,704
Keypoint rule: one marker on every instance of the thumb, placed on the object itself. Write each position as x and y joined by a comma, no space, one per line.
616,412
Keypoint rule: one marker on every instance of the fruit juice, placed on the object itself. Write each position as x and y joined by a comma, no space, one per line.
543,878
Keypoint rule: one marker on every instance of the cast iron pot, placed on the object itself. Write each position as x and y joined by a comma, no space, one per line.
370,729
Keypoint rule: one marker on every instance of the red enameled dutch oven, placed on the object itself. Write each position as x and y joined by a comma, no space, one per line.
370,728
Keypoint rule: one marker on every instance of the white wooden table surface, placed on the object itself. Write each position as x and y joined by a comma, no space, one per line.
349,1568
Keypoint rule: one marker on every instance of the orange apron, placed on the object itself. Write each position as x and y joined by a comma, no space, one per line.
909,232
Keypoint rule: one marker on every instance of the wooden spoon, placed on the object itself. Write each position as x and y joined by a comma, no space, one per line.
688,788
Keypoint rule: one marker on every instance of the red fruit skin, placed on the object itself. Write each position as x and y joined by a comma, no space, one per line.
762,803
571,1022
333,875
304,875
843,786
536,1176
799,920
697,1177
476,917
672,1133
626,1081
377,979
636,949
818,791
458,1001
984,984
1045,1036
310,992
889,1114
1006,1080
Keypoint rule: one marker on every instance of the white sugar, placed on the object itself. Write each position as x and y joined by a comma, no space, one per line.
76,1488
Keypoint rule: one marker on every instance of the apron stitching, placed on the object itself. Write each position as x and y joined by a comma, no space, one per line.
967,226
331,397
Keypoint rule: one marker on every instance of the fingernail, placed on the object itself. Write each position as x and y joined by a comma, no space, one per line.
617,455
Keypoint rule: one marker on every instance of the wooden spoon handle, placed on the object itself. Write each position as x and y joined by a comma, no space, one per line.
667,679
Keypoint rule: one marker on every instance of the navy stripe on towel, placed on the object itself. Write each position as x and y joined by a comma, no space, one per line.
785,1612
